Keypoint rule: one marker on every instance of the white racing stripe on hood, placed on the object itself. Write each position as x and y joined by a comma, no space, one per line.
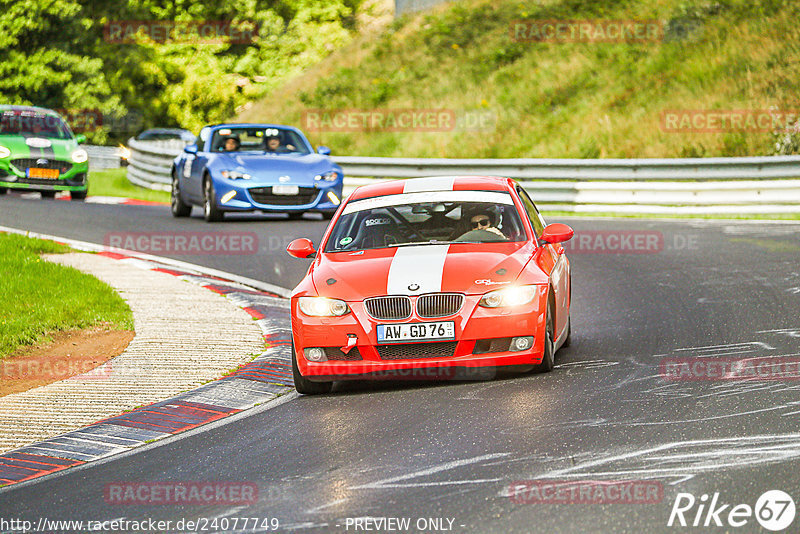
436,183
423,265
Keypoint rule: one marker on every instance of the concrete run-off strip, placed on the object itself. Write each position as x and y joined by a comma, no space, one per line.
185,336
179,340
257,382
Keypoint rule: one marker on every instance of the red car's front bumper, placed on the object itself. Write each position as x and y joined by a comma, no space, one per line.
480,335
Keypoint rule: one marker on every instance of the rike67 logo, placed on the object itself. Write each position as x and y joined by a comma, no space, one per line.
774,510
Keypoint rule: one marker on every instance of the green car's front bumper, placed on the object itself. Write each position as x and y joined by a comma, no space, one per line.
71,177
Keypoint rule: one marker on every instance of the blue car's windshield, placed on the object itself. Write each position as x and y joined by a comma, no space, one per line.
258,139
33,124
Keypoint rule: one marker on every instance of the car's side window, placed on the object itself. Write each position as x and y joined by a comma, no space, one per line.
204,133
533,213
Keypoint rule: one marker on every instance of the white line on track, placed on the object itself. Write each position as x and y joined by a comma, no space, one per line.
389,482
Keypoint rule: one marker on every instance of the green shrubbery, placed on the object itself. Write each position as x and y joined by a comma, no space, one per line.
53,53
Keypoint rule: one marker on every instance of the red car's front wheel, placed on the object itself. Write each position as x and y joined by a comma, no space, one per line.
548,358
305,386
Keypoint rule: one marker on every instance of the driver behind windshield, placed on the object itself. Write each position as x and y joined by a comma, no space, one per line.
483,227
232,144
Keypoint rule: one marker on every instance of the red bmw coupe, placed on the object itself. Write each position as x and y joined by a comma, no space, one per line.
425,277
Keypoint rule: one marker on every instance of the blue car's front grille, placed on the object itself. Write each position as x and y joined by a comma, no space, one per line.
264,195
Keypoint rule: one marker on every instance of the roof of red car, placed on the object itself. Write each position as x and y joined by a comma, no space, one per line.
433,183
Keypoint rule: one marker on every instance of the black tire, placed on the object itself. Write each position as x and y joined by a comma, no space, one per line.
48,194
548,360
327,215
78,195
3,190
305,386
568,339
295,215
211,213
177,206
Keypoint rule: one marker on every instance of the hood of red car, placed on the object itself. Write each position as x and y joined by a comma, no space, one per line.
415,270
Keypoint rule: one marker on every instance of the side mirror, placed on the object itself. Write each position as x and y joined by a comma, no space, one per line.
301,248
80,139
325,151
557,233
190,149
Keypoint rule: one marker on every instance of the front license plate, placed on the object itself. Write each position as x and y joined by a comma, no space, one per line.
34,172
403,333
285,190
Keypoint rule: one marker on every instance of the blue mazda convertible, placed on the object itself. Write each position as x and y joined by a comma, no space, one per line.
249,167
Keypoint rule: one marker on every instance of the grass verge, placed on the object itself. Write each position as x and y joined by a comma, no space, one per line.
39,297
114,183
558,99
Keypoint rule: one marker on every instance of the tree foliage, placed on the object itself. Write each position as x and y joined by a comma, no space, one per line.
55,54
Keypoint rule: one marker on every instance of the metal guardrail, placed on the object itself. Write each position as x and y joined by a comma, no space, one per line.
758,168
695,185
103,157
150,163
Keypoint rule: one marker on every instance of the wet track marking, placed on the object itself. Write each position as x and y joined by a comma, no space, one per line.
447,466
682,460
587,364
724,350
397,481
318,509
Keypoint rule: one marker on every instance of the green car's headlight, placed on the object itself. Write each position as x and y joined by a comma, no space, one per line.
508,296
80,156
4,152
323,306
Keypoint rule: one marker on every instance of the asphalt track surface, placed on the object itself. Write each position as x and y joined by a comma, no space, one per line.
452,450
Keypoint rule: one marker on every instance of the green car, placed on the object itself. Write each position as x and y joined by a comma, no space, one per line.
38,152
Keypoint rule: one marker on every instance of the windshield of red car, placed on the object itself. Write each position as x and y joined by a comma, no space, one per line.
427,218
33,124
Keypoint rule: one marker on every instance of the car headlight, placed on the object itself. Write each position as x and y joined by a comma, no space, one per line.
4,152
330,176
508,296
80,156
236,175
323,306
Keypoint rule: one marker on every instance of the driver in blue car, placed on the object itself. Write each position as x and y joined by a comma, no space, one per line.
232,144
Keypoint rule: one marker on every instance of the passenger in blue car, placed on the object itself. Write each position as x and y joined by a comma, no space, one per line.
274,145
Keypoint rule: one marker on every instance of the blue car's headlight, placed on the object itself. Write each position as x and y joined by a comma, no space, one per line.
330,176
235,175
